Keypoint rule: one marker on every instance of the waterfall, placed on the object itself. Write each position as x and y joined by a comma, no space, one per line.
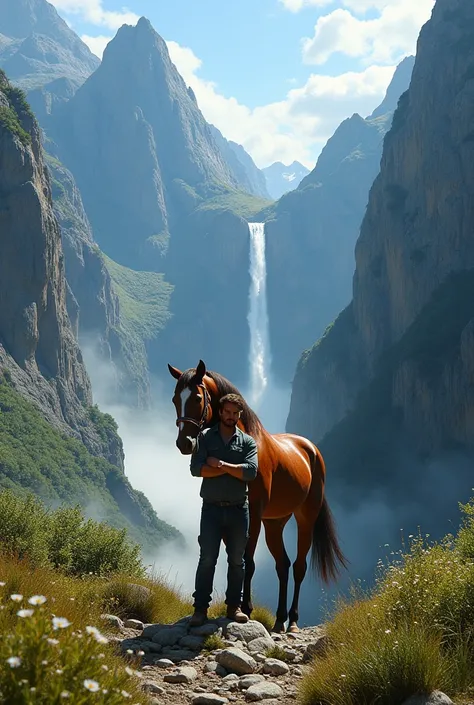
259,354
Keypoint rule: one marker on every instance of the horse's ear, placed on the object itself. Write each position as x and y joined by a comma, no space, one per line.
200,370
174,372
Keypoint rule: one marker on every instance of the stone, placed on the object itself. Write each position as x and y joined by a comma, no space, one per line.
113,620
435,698
259,657
209,699
263,691
164,663
192,642
275,667
210,666
152,687
179,655
169,635
184,674
297,672
149,630
236,661
260,644
134,624
230,678
245,632
316,648
206,629
247,681
292,636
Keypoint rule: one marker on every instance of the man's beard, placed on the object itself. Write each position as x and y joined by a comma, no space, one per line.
229,422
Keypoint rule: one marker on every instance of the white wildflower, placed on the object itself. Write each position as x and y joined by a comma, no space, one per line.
25,613
91,685
60,623
16,597
14,661
37,600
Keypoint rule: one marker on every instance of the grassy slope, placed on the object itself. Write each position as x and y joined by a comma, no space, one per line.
241,203
35,457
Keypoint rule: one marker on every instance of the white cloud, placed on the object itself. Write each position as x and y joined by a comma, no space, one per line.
92,12
357,6
384,39
294,128
96,44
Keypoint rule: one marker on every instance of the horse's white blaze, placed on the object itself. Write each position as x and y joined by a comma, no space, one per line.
185,394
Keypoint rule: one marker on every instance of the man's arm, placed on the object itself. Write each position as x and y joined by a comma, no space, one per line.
246,470
198,460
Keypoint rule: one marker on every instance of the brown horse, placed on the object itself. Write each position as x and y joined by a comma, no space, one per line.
290,481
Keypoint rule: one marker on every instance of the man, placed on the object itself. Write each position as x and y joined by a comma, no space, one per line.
226,459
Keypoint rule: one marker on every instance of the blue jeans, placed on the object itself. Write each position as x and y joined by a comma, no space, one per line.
230,524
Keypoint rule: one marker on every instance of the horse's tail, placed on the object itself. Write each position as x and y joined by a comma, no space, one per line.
326,553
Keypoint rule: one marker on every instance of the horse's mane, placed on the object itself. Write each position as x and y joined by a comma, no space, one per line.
252,423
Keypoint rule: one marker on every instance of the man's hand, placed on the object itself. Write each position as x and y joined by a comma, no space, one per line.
213,462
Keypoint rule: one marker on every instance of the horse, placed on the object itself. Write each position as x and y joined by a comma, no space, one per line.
290,481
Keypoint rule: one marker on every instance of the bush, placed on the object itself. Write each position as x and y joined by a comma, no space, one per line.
213,642
277,652
46,659
152,602
64,539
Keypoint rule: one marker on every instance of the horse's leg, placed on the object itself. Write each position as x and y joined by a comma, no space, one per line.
305,521
274,538
254,533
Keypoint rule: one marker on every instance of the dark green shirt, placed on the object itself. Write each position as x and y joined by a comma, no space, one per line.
241,449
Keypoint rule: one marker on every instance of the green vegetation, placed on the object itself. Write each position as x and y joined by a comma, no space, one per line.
144,299
213,642
12,117
413,633
277,652
239,202
36,457
364,442
64,539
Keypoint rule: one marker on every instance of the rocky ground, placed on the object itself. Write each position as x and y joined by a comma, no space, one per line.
178,667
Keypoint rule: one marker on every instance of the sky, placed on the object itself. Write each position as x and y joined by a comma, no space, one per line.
277,76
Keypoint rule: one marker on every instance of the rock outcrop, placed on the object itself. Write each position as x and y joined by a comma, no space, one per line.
395,370
42,374
311,233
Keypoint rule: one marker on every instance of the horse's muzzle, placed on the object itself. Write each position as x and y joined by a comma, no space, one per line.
186,445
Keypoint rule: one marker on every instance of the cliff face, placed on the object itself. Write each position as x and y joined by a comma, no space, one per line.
53,441
311,234
34,326
397,364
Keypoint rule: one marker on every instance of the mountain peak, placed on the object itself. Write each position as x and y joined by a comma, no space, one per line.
398,85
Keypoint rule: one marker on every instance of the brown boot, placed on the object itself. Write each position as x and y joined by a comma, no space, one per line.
198,618
236,615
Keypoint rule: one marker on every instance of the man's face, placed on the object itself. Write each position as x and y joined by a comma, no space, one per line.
230,414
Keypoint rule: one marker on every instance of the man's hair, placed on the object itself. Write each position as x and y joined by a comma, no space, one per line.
232,399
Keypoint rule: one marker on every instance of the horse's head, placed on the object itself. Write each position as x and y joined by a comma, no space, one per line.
193,405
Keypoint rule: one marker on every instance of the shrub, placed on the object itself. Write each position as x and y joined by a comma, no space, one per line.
152,602
64,538
213,642
277,652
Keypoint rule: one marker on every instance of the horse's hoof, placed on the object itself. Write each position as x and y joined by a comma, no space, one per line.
278,628
293,629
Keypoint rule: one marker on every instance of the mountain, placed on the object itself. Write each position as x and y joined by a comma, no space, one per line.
160,195
311,233
280,178
37,48
250,177
53,440
388,390
139,148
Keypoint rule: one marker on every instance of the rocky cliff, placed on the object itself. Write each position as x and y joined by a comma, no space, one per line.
311,233
77,456
395,371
